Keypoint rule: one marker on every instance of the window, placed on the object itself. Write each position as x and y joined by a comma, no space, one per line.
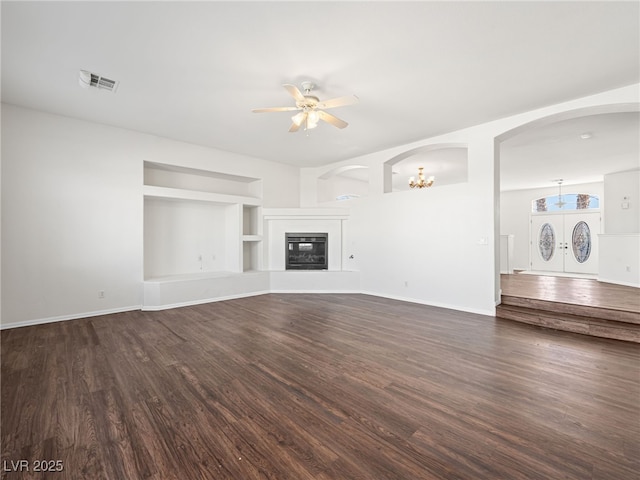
564,202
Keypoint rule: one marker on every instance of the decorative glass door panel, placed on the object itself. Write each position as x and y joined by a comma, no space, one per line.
565,242
581,242
581,235
547,243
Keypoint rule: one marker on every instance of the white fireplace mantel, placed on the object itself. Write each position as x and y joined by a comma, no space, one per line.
279,221
305,213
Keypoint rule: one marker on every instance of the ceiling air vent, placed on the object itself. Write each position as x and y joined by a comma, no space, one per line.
88,79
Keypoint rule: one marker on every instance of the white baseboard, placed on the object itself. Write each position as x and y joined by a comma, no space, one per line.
316,291
155,308
63,318
490,313
619,282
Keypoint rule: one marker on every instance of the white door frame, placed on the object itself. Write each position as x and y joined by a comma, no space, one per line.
563,256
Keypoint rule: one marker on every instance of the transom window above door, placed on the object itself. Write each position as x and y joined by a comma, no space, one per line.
565,202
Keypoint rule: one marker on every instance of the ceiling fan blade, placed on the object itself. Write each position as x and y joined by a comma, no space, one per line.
294,127
332,119
339,102
294,92
274,109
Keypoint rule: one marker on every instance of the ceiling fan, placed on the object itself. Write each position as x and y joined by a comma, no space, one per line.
311,109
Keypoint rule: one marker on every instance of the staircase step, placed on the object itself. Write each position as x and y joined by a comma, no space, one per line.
608,314
551,315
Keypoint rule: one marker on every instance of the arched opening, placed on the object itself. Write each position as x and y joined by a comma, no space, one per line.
343,183
582,161
447,163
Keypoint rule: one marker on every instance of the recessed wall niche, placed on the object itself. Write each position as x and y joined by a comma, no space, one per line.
448,163
191,179
343,183
184,237
200,222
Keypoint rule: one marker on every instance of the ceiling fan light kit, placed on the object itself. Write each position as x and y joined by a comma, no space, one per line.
310,109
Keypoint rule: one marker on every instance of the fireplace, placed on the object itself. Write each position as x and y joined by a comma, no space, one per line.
306,251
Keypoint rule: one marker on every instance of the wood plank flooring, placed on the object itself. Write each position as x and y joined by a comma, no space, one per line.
322,387
575,291
577,305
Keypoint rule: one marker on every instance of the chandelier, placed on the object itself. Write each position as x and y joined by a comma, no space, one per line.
421,183
560,203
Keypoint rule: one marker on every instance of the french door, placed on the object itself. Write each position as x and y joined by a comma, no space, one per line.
565,242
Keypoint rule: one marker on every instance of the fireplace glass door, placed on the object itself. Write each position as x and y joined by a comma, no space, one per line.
306,251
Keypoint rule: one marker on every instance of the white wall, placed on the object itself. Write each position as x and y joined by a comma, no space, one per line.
72,211
620,259
432,246
622,210
620,247
330,188
184,237
515,210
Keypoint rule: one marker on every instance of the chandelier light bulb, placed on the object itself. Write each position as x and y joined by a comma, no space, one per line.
421,183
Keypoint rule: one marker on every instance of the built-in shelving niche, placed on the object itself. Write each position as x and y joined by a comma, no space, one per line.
199,223
251,238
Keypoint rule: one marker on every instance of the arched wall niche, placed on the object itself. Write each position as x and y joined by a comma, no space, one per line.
343,183
447,162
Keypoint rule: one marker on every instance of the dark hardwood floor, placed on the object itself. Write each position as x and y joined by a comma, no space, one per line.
573,291
578,305
300,386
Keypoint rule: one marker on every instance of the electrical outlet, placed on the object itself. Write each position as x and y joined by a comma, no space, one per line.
101,294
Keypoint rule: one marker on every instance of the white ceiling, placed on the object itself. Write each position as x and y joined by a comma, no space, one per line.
192,71
538,157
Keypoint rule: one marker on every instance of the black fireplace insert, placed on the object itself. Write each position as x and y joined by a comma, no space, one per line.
306,251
